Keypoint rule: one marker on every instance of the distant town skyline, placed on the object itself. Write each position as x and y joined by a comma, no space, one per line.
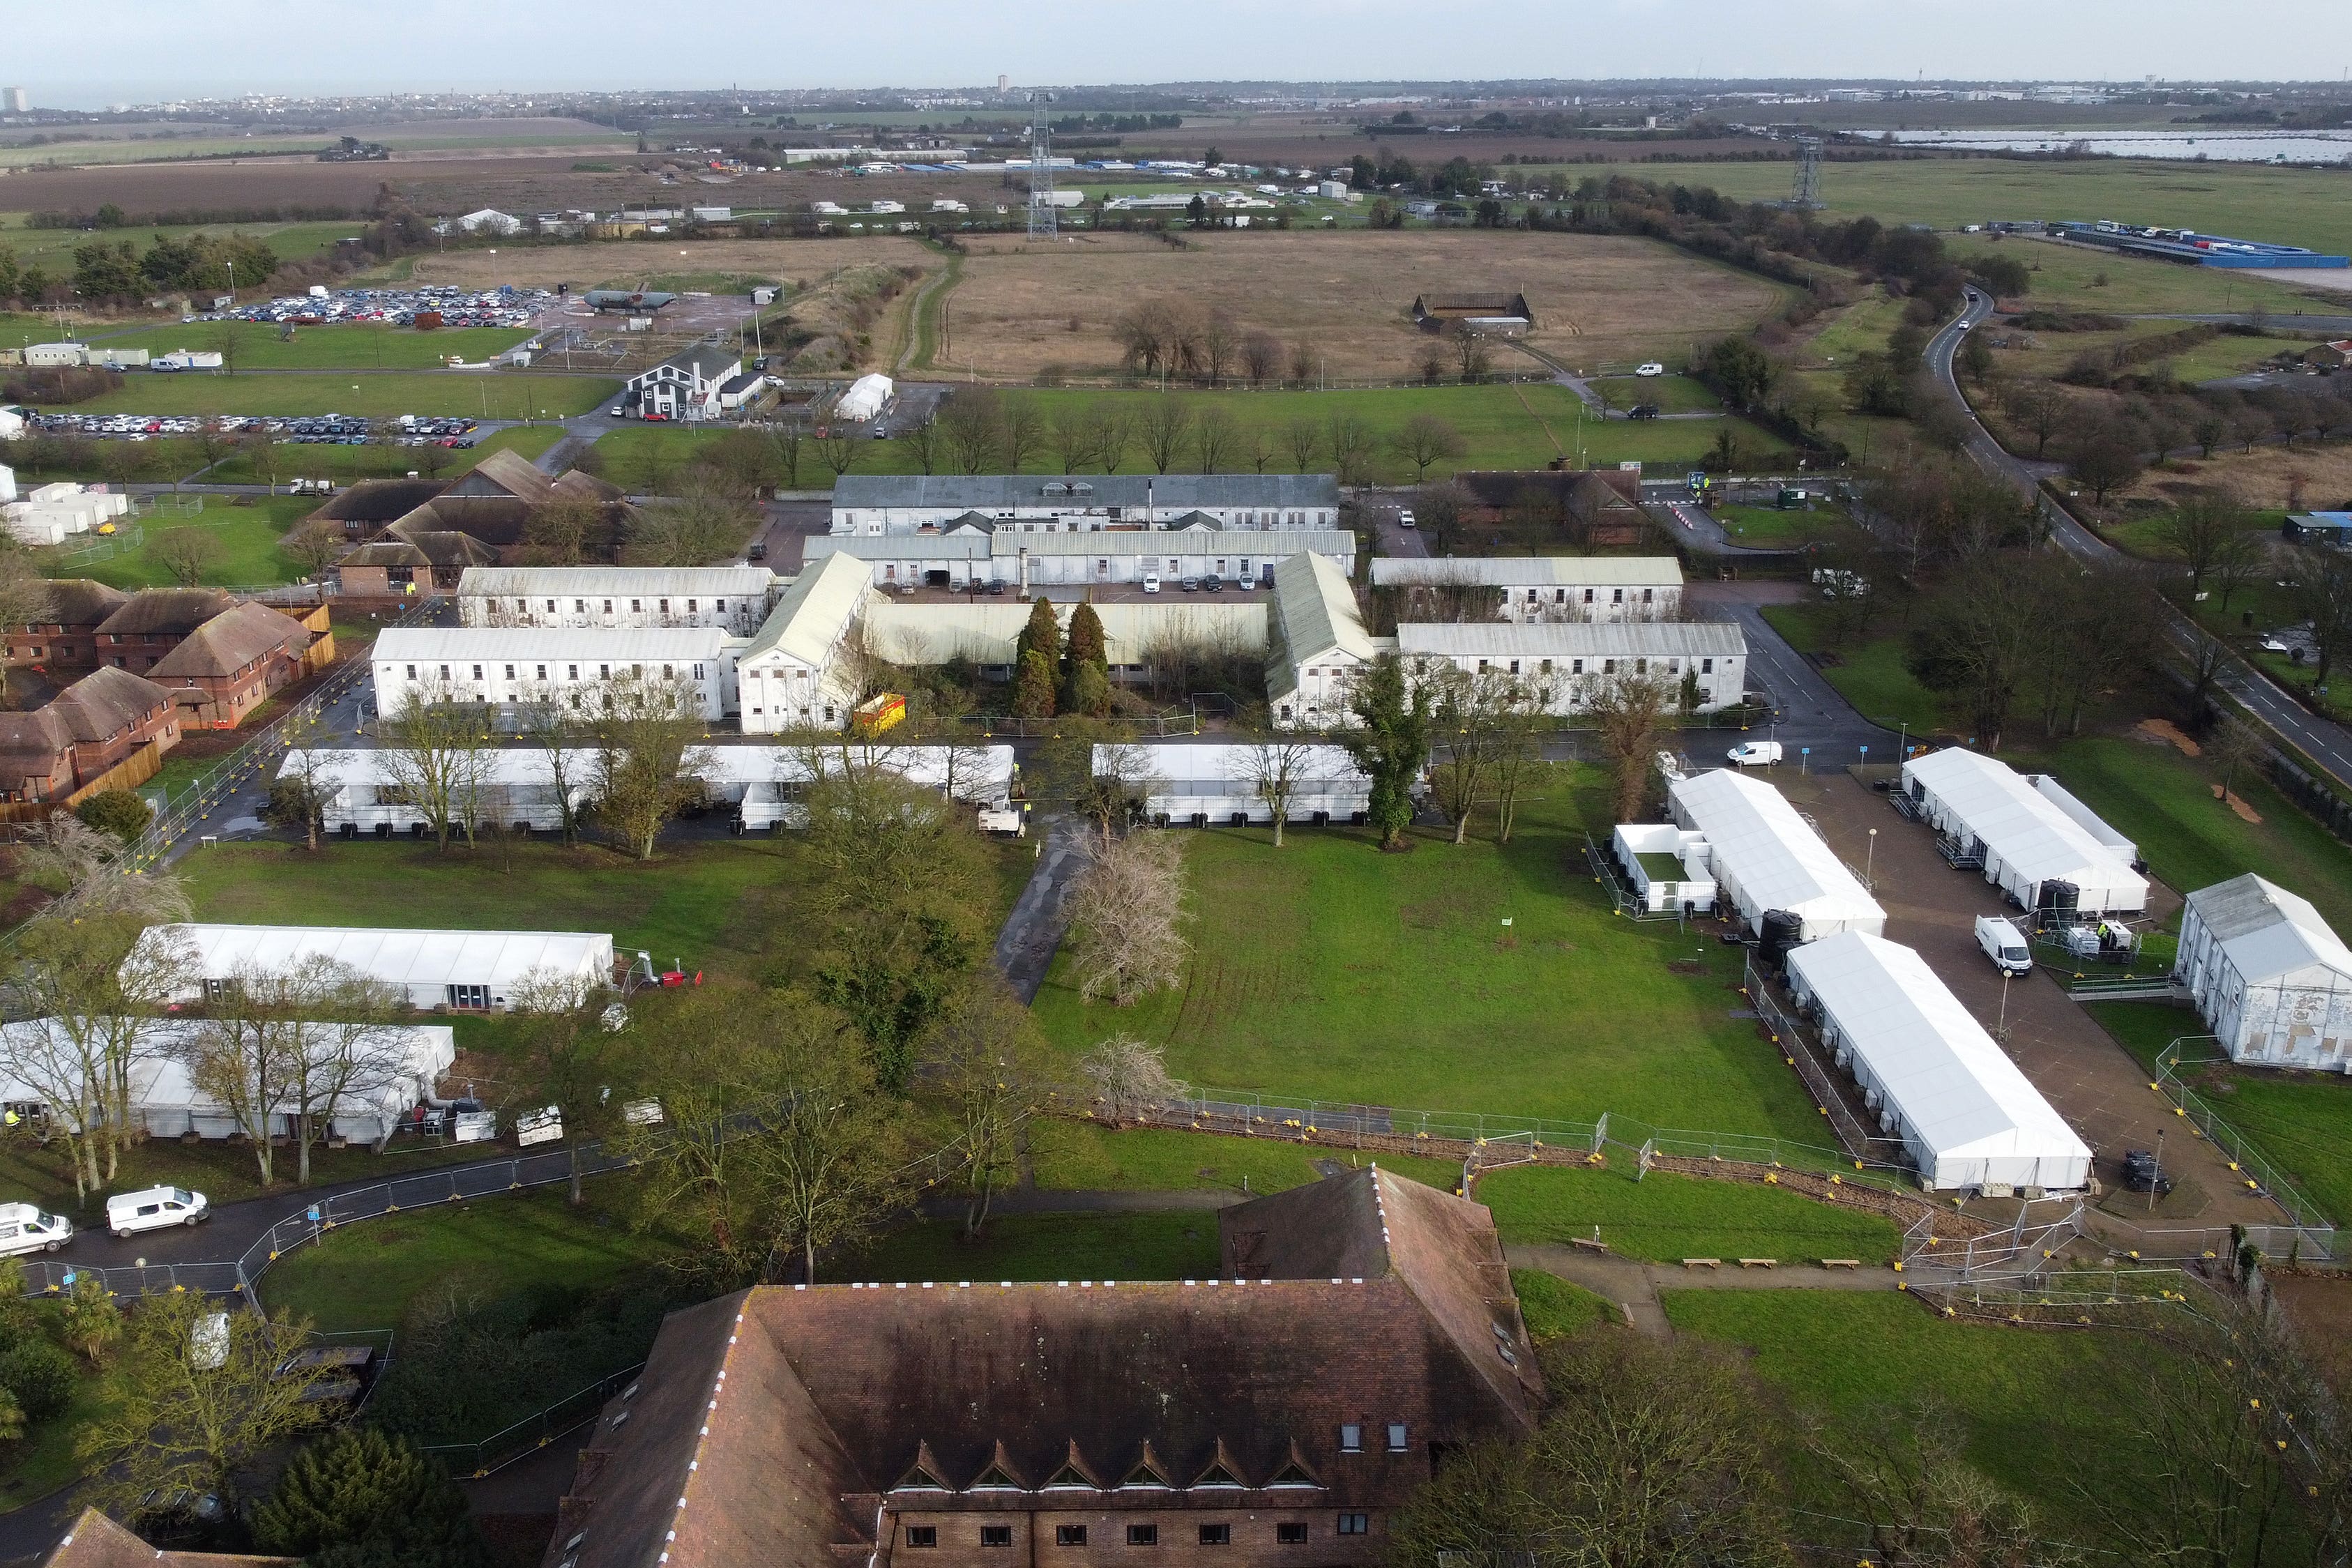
139,51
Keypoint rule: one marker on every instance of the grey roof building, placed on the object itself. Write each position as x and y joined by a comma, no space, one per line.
899,503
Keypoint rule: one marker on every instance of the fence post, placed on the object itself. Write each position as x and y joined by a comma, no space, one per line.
1600,1131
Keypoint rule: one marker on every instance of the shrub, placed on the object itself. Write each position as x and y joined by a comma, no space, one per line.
117,811
40,1376
369,1494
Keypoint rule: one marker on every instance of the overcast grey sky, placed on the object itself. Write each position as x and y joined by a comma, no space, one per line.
77,53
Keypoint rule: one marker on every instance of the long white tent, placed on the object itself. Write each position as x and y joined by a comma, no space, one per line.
1766,857
473,970
411,1059
2027,839
1936,1080
1198,785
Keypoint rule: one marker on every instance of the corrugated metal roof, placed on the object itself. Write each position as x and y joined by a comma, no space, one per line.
814,610
2266,930
1572,639
582,582
1256,544
1528,572
421,645
1170,492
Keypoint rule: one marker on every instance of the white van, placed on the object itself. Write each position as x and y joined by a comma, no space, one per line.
24,1228
1754,754
130,1212
2004,944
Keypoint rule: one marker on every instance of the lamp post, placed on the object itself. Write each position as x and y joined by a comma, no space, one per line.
1870,863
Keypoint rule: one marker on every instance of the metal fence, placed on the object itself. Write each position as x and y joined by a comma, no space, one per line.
2313,1233
1800,1050
533,1432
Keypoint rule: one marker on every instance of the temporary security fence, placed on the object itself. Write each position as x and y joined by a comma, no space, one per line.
1801,1049
472,1461
2313,1235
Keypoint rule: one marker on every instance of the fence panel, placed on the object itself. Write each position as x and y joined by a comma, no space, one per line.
2314,1232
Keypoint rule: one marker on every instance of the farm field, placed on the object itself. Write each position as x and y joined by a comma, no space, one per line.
53,248
1664,1218
1018,312
1328,969
482,395
166,141
355,346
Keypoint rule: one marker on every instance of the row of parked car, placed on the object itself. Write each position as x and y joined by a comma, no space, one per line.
332,429
399,307
26,1228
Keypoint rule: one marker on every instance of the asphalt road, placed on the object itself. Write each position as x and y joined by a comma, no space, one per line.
2323,740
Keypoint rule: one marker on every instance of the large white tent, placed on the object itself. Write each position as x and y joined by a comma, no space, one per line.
461,969
767,783
1209,782
409,1060
2027,839
512,786
1936,1080
2272,979
1766,857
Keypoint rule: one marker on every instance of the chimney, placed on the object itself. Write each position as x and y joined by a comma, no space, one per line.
1151,513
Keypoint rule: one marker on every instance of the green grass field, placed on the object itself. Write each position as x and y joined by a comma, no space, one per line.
52,249
1870,675
1770,527
349,463
1672,394
1080,1156
364,345
482,395
1098,1247
1552,1307
247,536
1664,1218
1329,969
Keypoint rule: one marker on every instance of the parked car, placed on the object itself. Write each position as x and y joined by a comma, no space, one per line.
1652,369
1190,585
759,550
618,412
153,1209
2004,944
1212,583
1755,754
1642,411
1404,518
1151,582
25,1229
2143,1174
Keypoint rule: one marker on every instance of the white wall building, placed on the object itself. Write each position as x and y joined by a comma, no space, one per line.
903,503
1667,865
1571,662
2028,843
1545,587
867,396
464,970
507,664
1024,561
1316,643
1201,784
734,598
1766,857
48,514
2269,977
686,385
791,676
1935,1078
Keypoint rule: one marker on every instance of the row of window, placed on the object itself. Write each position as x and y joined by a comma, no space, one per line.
1607,666
1559,595
571,672
1288,1533
636,606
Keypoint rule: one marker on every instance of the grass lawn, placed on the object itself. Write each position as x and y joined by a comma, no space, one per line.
2017,1395
1869,674
2302,1121
1081,1157
1057,1247
2230,355
1552,1307
1664,1218
363,1276
247,537
1329,969
52,249
1672,394
358,345
483,394
1770,526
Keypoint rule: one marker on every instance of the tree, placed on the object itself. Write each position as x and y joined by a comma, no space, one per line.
1212,439
1126,909
1424,439
261,454
646,765
1391,745
1087,659
1351,440
1468,709
91,1324
24,593
785,440
228,341
117,813
1161,427
2105,456
1977,640
1279,771
971,428
985,1061
1633,713
2202,529
198,1396
549,722
1021,431
1115,781
560,532
88,873
362,1487
433,753
1472,355
1924,1505
2232,748
1261,358
185,553
701,528
2322,592
1032,686
569,1060
1075,435
1740,369
1221,341
839,449
1305,439
1128,1077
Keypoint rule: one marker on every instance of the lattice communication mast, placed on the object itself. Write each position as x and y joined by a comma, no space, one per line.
1806,196
1045,220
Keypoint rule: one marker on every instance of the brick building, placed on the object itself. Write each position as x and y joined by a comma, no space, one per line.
224,669
92,725
97,1541
66,637
149,624
480,519
1365,1327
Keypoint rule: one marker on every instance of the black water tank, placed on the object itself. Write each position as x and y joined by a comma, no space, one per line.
2060,901
1781,931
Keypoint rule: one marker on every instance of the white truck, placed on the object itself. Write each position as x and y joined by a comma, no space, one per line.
2004,944
1755,754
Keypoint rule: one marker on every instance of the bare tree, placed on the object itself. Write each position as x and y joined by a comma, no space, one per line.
2233,747
187,553
432,752
985,1061
1305,439
2202,529
315,545
1261,358
1075,436
1519,761
559,533
1117,779
305,787
1925,1506
89,873
1279,771
1125,911
971,426
1021,431
1128,1077
701,528
1351,440
1424,439
1212,439
25,594
644,728
1633,713
551,723
839,449
1117,434
1472,355
1220,341
1161,428
1468,712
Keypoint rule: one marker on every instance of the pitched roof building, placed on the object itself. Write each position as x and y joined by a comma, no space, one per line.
1364,1327
97,1541
65,636
151,622
904,503
226,668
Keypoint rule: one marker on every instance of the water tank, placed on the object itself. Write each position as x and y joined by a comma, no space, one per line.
1781,931
2060,901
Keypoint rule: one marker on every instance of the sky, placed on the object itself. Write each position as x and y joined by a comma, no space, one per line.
94,52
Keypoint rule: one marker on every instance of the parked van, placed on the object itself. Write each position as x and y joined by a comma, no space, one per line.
2004,944
24,1228
1755,754
131,1212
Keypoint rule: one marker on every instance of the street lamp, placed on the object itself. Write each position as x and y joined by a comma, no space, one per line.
1870,862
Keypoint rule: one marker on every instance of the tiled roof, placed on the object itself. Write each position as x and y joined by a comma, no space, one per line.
230,641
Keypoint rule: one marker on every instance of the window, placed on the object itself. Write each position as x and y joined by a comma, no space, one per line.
1558,596
1515,666
1143,1535
1396,1437
1069,1535
1351,1438
551,607
1290,1535
604,671
444,672
412,672
1216,1535
1543,666
1648,595
1707,666
543,672
608,607
720,603
1588,596
1355,1524
578,607
1641,666
662,604
477,997
922,1535
996,1535
510,671
1607,666
1616,596
573,672
1484,666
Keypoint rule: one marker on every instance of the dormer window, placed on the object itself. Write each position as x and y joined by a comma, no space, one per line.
1396,1437
1351,1438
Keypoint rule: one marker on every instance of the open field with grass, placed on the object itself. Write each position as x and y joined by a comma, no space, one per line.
1552,1307
247,537
2026,1403
1664,1218
1869,674
1055,1247
359,345
482,395
1672,394
52,249
1019,311
794,262
1328,969
1081,1157
2310,207
2266,478
346,463
1771,527
167,139
2081,278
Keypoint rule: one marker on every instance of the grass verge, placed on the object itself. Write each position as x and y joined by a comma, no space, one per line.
1664,1218
1083,1156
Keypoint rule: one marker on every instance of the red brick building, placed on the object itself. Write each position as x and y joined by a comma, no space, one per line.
97,1541
94,724
66,637
1364,1328
227,667
151,622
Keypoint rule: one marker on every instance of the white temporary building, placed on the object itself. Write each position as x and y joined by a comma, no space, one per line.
2029,841
1195,785
2269,977
471,970
1935,1078
1766,857
1666,866
867,396
768,784
407,1060
511,787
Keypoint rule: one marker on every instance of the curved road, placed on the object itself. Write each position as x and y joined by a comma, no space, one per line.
2325,742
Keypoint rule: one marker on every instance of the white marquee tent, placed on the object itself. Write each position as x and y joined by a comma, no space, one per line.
464,969
1937,1081
2027,839
2271,977
1767,857
1185,784
867,396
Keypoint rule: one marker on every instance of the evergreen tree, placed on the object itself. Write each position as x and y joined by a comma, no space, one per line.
1089,692
1392,744
361,1496
1086,665
1041,635
1032,689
